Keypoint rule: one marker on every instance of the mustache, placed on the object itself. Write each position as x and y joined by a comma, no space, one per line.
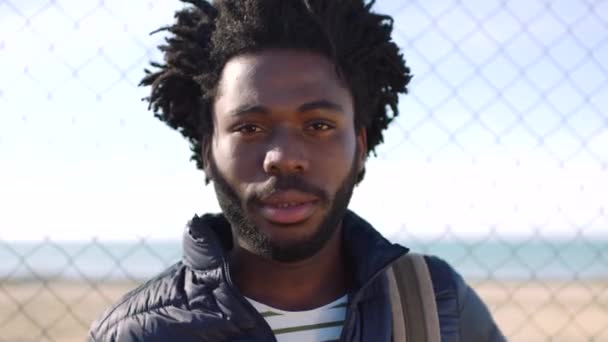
284,183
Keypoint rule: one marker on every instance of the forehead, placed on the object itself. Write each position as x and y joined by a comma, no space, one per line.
280,78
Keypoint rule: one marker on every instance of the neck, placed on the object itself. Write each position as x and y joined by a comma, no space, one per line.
302,285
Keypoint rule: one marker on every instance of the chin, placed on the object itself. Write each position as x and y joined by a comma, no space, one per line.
298,242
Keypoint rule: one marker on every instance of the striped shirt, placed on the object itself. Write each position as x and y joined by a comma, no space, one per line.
323,324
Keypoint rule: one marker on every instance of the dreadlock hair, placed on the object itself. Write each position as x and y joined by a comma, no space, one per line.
206,35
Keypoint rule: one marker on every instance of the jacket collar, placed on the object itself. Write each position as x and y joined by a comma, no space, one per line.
368,250
209,237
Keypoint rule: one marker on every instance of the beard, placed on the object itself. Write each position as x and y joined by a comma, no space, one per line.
234,209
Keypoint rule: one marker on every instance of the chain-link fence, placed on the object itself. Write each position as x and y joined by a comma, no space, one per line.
499,160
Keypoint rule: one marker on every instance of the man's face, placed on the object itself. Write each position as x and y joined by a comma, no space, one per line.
284,155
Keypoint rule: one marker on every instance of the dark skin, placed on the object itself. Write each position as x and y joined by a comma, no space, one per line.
281,112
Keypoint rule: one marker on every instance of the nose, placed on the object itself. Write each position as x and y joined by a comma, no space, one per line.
285,155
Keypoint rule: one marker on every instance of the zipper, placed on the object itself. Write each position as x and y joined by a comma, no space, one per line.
268,334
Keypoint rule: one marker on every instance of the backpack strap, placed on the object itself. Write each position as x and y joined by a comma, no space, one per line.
412,298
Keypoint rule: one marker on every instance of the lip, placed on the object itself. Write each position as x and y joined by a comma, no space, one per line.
288,207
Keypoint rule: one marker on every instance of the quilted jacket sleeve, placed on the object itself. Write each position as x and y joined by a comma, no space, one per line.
463,315
476,323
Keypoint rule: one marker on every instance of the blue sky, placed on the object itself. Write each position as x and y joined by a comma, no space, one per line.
504,131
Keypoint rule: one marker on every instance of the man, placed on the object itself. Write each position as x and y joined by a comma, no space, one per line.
282,101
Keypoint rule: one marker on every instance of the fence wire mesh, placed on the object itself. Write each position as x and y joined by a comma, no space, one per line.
506,115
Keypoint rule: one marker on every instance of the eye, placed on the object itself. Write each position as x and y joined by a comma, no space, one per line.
249,129
320,126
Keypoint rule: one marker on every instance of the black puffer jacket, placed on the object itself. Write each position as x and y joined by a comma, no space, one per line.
195,299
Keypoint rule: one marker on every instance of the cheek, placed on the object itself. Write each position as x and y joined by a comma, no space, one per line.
335,158
235,160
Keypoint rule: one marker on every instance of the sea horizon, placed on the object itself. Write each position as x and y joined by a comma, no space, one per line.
138,260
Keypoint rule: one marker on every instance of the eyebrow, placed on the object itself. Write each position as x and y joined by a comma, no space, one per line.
306,107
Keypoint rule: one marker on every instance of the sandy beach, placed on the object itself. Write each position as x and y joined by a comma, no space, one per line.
526,311
549,310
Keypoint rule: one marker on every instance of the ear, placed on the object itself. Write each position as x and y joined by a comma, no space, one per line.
206,156
362,147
